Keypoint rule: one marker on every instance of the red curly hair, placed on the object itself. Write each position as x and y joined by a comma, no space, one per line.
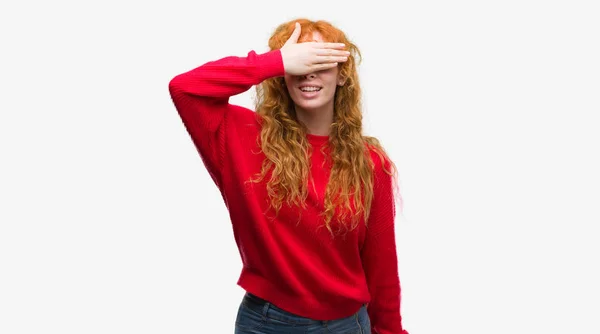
349,192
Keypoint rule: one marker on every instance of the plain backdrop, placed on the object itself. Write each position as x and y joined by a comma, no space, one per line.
111,224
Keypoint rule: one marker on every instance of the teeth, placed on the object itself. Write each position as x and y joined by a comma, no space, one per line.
310,89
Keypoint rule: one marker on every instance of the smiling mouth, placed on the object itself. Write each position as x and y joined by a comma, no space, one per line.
310,89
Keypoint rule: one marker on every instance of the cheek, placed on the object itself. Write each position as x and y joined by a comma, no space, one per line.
332,86
289,85
288,80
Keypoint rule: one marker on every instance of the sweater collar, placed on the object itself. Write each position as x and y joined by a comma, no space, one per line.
317,140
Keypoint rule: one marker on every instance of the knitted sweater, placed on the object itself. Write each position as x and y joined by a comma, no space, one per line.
294,264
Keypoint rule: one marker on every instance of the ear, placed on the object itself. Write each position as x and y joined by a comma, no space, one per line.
341,81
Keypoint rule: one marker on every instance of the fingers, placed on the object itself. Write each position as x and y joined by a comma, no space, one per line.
326,45
326,66
295,34
330,59
331,55
332,52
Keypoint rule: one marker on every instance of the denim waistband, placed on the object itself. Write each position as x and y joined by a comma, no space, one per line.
271,311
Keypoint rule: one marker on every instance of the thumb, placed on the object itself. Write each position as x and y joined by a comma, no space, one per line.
295,35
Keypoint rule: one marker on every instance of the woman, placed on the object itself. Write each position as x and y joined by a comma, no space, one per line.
310,198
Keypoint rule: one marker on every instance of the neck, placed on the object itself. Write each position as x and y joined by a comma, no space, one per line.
318,122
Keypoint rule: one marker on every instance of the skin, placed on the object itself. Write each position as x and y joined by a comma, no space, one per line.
315,110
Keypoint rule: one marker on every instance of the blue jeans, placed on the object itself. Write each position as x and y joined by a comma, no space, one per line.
257,316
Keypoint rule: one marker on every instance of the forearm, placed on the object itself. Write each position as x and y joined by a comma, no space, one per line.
228,76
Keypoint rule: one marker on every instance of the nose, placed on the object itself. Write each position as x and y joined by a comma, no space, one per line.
309,76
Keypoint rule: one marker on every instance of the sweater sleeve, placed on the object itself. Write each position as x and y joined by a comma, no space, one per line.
201,97
380,260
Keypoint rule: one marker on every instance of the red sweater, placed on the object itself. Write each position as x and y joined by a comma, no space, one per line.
296,266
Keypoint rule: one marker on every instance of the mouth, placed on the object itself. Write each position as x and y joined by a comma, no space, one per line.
309,91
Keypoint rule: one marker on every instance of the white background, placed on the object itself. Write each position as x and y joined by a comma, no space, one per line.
110,223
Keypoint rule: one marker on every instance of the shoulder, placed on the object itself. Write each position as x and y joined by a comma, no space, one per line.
242,117
242,113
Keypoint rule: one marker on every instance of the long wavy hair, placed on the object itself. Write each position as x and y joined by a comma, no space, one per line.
349,191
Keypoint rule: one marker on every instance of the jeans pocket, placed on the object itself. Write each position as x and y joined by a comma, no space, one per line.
249,319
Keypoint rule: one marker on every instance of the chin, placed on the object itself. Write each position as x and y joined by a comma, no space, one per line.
310,106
